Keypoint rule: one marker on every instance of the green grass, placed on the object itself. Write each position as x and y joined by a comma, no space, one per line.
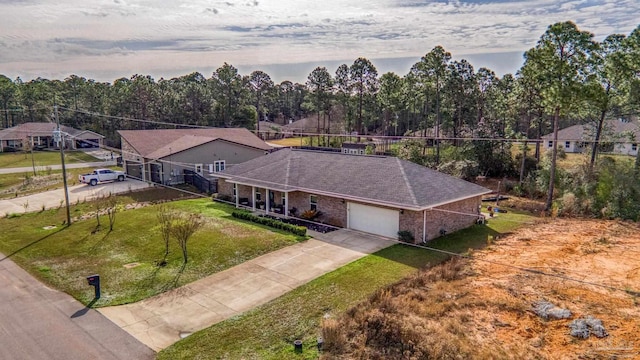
25,183
63,257
42,158
268,331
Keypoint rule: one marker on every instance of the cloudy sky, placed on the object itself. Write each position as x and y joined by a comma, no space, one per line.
108,39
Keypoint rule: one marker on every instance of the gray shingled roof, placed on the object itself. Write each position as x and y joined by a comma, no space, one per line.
38,129
377,179
587,131
162,142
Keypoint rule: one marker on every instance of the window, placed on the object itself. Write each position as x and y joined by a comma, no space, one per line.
210,168
199,168
313,201
634,147
345,151
235,190
218,165
283,196
14,143
550,143
567,144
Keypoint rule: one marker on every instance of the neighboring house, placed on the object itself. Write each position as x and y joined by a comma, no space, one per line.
357,148
162,155
623,138
375,194
24,136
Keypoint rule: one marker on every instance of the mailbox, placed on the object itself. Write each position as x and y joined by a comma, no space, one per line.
94,280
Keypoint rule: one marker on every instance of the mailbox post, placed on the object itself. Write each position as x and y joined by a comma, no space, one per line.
94,280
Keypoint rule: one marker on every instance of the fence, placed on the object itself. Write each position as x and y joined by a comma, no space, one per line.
203,184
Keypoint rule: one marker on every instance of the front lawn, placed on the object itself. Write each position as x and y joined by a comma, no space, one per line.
43,158
126,257
268,331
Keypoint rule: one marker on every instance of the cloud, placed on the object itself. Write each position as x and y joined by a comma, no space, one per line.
196,33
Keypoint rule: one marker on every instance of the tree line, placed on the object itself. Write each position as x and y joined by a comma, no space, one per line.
567,78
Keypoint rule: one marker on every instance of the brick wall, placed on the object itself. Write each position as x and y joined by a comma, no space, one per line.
412,221
225,188
334,211
450,222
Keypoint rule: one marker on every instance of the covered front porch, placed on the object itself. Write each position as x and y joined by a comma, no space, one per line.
264,199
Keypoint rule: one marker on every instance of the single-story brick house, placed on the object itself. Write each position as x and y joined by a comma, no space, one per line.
23,136
162,155
375,194
623,137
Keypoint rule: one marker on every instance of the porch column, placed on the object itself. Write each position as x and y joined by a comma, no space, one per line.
424,225
285,211
267,201
253,198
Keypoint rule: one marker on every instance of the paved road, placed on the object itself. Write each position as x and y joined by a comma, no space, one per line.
37,323
53,198
58,167
162,320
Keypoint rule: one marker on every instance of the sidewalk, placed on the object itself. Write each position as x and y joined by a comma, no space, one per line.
164,319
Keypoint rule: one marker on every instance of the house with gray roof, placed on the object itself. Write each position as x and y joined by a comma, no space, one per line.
40,134
163,155
618,137
375,194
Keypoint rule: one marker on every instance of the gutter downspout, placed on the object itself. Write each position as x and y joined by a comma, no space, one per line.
424,226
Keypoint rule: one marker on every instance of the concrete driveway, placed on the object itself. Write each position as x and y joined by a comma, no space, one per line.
53,198
164,319
40,323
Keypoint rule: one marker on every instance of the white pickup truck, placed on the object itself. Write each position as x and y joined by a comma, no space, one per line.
100,175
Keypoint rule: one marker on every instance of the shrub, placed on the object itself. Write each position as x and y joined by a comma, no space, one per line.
296,230
405,236
310,214
464,169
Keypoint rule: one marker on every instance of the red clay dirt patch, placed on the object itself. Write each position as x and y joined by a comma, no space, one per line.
480,309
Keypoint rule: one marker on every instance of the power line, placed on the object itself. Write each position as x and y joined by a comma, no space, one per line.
134,119
378,137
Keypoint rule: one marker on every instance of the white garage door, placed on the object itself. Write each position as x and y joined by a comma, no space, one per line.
373,219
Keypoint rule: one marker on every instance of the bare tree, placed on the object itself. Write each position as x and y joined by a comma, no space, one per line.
99,204
165,218
183,227
112,206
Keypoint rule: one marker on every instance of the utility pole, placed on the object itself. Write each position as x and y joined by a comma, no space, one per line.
60,138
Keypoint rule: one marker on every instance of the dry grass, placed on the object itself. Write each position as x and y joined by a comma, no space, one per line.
293,141
470,309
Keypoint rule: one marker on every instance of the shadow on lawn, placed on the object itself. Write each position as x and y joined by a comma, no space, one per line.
171,284
32,243
474,237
